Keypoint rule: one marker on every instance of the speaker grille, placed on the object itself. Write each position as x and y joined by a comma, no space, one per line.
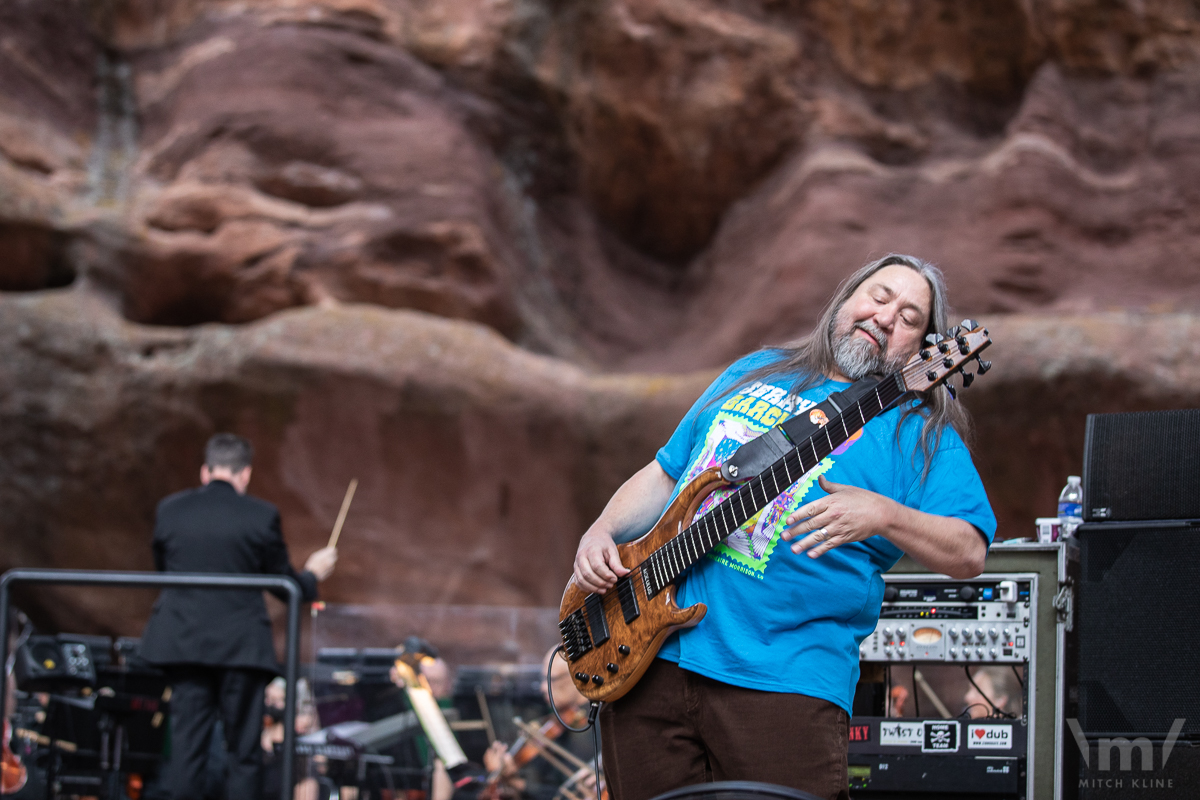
1139,629
1142,466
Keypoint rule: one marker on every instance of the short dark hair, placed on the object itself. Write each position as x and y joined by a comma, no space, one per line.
228,450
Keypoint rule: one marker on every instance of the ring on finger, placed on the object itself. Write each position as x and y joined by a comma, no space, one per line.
820,534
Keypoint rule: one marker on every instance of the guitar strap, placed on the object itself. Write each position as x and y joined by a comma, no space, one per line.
761,452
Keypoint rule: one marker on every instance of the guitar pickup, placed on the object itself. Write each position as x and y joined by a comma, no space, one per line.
628,598
594,607
576,640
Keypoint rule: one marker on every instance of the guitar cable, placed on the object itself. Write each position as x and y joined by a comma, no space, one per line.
593,712
996,711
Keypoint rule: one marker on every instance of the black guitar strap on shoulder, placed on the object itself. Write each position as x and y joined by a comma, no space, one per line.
762,451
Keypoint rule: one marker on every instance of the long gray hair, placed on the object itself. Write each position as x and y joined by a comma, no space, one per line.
812,358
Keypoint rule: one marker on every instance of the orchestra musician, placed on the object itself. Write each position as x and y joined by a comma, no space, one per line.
542,739
761,689
14,775
215,646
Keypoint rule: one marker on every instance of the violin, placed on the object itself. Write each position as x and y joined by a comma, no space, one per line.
12,772
538,740
524,750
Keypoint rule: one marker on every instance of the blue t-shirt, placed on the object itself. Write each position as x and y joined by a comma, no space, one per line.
783,622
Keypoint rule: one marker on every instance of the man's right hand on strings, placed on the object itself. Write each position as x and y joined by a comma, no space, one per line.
597,562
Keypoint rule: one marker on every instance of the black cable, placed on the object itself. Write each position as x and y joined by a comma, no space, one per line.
916,700
966,712
597,762
1017,672
996,712
887,690
593,712
550,696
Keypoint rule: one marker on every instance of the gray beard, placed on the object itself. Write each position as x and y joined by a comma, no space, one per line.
856,357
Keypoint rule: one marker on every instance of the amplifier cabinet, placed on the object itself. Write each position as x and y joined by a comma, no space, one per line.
1138,629
1136,730
1142,465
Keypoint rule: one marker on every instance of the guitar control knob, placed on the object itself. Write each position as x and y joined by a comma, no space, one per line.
611,667
599,681
623,649
582,677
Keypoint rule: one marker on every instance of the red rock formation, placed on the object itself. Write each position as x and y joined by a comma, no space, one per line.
645,185
480,464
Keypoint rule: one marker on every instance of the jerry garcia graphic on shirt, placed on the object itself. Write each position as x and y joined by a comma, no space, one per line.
743,417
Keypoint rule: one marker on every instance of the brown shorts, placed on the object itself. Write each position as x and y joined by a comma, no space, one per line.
677,728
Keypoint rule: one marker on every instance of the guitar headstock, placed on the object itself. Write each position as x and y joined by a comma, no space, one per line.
945,355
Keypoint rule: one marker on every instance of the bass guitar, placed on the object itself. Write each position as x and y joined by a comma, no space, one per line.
610,639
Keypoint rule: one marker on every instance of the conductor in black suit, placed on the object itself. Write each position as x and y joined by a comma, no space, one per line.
216,645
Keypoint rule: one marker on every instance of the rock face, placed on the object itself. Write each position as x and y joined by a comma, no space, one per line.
253,201
480,464
651,185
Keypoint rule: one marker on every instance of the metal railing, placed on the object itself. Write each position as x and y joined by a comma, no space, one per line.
195,580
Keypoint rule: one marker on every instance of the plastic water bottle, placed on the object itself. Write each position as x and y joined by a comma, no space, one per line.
1070,506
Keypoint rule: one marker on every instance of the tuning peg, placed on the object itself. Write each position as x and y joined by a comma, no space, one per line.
970,324
953,332
934,338
984,366
968,379
950,389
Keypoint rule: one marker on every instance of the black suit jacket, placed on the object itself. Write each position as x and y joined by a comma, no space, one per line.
215,529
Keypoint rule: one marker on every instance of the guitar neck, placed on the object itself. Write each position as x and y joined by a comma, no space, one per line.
662,567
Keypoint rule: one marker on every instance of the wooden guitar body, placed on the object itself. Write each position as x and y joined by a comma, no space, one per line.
632,646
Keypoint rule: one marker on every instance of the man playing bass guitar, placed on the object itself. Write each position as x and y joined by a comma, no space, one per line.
761,689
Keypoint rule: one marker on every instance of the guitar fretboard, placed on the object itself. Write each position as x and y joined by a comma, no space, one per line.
666,564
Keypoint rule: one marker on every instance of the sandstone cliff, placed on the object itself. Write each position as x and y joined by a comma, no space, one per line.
225,214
